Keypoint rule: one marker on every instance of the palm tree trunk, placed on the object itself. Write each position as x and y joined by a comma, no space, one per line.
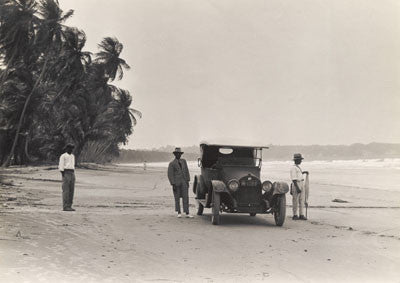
21,118
28,157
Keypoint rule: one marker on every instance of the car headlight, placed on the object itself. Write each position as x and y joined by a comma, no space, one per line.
266,186
233,185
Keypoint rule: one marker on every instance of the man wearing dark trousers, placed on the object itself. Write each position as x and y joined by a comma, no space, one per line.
179,177
67,169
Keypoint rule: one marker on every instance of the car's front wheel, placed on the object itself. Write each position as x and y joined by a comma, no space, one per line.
280,210
216,202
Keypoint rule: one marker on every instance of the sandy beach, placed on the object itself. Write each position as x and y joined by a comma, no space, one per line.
124,229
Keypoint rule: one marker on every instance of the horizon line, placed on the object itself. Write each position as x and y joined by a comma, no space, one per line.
269,145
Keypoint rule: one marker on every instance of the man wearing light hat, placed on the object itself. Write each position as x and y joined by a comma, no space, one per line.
67,169
179,177
297,188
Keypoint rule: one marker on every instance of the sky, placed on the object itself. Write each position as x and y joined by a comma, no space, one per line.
276,72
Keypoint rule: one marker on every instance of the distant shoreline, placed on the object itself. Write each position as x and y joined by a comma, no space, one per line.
276,153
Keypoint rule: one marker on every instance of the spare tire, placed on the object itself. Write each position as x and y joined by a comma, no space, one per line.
201,188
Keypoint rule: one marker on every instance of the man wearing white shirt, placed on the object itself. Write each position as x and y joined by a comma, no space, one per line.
297,189
67,169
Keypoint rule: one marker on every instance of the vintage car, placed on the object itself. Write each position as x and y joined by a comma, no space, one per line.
230,182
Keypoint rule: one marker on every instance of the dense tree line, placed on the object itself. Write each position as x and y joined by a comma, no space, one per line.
53,92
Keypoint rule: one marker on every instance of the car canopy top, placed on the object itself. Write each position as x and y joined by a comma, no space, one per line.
238,154
234,145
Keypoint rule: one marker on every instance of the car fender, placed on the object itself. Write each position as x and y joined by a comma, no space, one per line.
280,188
218,186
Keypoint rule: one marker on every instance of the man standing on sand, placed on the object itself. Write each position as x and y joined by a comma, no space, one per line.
297,188
179,177
67,169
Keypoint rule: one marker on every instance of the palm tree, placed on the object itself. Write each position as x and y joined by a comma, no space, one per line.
123,115
51,29
52,91
111,128
69,69
17,29
47,40
63,109
106,67
110,50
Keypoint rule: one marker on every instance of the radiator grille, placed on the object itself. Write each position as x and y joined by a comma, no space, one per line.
249,192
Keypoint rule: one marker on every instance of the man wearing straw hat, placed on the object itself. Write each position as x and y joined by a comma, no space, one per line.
179,177
67,169
297,188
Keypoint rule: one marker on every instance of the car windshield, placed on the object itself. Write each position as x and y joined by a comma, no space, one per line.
216,155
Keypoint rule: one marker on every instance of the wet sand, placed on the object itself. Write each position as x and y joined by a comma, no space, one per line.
124,230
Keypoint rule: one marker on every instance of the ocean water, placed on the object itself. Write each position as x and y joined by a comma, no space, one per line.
379,174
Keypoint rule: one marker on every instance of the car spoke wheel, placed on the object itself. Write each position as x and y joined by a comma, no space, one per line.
280,210
215,208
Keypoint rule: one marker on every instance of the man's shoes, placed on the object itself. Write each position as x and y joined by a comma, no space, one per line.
68,209
189,216
302,217
295,217
179,215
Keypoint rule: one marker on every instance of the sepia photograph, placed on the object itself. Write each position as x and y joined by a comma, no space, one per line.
199,141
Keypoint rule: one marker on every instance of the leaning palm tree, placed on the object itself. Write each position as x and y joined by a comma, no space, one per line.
46,43
18,20
108,56
64,92
13,95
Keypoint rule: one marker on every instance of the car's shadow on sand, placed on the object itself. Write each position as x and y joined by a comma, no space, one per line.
227,219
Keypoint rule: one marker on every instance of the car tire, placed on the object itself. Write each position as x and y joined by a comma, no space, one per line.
200,208
215,217
280,210
252,214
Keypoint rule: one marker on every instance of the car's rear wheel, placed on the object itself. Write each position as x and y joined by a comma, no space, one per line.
280,210
252,214
215,217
